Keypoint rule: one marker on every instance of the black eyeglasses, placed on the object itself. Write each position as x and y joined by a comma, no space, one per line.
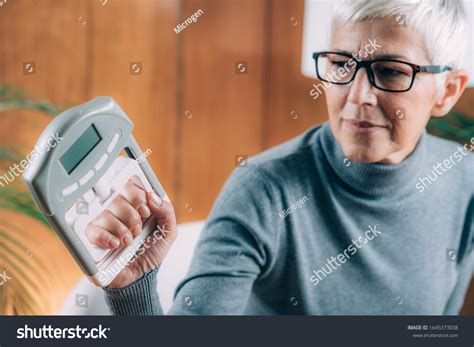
389,75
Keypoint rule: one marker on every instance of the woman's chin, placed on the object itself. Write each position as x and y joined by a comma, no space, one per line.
362,154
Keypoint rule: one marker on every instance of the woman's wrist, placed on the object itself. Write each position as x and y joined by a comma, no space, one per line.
127,279
137,298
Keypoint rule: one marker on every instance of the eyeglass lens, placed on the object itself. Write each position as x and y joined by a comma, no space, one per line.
390,75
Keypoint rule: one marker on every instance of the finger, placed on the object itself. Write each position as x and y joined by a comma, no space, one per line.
135,180
136,196
127,214
108,221
101,237
163,211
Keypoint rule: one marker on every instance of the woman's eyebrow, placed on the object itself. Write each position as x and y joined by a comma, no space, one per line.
390,56
376,56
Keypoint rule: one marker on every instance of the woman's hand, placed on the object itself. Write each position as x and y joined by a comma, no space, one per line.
123,220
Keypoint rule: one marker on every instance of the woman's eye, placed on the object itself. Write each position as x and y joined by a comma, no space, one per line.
339,63
390,72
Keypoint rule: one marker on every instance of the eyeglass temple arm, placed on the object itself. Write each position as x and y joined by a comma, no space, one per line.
434,68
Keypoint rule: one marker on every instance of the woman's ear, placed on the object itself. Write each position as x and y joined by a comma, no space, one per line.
451,91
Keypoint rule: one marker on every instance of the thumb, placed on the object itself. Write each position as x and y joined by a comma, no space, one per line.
162,210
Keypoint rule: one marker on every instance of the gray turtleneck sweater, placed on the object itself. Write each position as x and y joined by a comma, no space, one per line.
302,230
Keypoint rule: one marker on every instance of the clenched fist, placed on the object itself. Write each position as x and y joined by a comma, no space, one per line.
123,220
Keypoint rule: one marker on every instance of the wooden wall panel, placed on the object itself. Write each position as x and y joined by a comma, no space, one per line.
125,31
226,107
289,89
465,105
48,33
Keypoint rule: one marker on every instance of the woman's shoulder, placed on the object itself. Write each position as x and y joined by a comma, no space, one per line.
454,156
289,155
290,147
259,176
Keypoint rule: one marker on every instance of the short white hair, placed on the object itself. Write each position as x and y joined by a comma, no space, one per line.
442,23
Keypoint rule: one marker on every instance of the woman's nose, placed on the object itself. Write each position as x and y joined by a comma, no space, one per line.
361,90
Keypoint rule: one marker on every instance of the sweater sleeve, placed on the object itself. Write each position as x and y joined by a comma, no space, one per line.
234,249
138,299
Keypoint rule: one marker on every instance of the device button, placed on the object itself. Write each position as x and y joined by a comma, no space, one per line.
70,189
113,143
86,177
103,190
89,196
71,216
101,162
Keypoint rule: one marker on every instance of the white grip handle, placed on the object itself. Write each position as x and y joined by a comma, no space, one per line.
113,182
107,188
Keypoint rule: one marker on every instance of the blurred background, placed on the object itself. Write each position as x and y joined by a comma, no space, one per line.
227,86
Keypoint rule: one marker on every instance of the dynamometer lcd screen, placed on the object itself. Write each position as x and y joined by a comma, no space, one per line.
80,149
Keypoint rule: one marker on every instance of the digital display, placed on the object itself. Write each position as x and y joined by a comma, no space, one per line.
80,149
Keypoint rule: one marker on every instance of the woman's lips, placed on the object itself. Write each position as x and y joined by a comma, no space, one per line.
363,127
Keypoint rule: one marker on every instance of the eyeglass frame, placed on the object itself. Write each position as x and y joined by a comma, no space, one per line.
367,65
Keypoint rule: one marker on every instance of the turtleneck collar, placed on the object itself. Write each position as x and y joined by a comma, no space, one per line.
374,178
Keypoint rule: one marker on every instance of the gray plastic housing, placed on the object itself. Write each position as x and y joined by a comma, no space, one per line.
46,177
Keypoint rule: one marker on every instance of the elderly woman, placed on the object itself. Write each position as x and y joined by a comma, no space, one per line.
365,214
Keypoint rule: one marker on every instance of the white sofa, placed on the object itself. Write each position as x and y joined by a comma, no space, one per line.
172,270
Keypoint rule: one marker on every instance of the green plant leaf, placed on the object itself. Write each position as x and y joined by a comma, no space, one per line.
12,98
455,126
13,199
9,154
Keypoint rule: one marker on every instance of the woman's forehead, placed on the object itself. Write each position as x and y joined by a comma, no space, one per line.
392,40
